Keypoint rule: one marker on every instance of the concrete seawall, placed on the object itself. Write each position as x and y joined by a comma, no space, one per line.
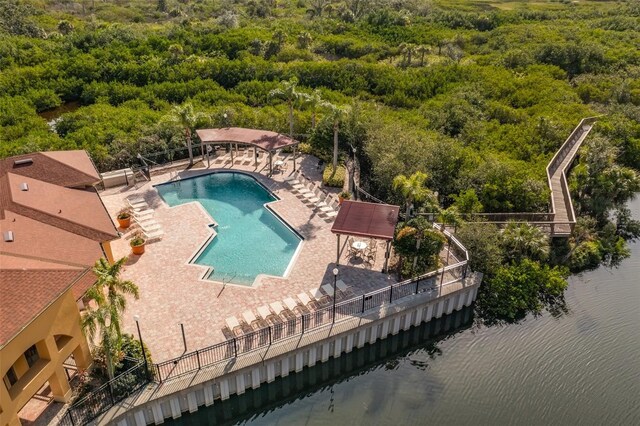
170,399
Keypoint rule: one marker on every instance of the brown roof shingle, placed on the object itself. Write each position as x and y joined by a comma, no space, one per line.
20,305
58,223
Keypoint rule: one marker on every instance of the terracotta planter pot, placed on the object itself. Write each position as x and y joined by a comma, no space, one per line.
124,223
340,199
138,249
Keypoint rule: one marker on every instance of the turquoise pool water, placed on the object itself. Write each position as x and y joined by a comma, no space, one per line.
251,240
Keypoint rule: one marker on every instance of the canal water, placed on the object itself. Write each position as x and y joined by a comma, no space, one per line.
579,367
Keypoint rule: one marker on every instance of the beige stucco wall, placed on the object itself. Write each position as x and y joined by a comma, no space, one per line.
60,318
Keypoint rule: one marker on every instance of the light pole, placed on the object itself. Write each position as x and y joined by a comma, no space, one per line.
144,355
335,279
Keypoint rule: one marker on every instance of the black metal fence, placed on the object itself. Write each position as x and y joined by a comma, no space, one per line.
295,326
106,396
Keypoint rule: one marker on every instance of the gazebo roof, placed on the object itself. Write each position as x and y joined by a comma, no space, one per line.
263,139
366,220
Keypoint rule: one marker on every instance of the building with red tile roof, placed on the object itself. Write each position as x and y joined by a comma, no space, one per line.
53,227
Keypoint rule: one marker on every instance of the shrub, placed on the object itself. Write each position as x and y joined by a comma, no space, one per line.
305,148
337,181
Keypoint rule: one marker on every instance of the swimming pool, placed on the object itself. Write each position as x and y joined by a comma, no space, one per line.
250,240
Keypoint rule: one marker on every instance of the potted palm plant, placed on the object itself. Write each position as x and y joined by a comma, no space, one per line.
137,243
124,218
344,195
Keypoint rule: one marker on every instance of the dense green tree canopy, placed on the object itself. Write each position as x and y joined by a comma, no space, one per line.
476,95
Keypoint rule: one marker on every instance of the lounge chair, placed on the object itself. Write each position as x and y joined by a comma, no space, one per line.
328,289
249,316
319,296
135,199
264,312
142,214
293,178
140,205
153,235
150,226
301,187
312,197
343,288
234,325
277,307
290,303
304,298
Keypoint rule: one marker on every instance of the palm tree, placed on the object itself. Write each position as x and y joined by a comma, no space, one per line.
304,40
314,101
407,49
108,292
422,50
450,216
413,190
317,7
288,92
525,240
336,114
100,319
187,118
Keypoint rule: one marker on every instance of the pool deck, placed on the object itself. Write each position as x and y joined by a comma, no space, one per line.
172,291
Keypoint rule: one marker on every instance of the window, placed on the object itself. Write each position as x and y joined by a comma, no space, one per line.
10,378
31,355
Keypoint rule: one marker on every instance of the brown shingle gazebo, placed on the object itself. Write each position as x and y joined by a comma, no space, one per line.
371,220
261,139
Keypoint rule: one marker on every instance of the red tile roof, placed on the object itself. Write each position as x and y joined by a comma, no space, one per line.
58,223
263,139
366,220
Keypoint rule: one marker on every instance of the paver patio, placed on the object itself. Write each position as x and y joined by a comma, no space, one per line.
172,291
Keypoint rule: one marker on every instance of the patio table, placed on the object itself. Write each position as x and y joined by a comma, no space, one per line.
359,245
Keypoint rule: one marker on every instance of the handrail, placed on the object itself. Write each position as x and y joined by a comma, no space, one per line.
559,157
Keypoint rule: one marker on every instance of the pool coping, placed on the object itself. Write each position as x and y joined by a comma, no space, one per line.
257,281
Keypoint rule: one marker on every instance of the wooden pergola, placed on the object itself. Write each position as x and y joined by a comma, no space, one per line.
261,139
371,220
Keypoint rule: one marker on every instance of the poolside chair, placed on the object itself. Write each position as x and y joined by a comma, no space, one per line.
328,289
251,319
234,325
142,214
312,305
149,225
277,307
293,178
370,255
344,289
269,316
301,186
138,205
319,296
136,199
294,306
153,235
312,197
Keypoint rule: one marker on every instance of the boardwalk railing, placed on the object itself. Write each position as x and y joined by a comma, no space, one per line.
561,155
546,220
430,283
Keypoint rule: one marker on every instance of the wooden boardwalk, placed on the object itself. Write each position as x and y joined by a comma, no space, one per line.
561,205
560,219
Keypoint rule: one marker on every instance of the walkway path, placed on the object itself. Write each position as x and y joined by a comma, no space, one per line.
560,219
561,205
